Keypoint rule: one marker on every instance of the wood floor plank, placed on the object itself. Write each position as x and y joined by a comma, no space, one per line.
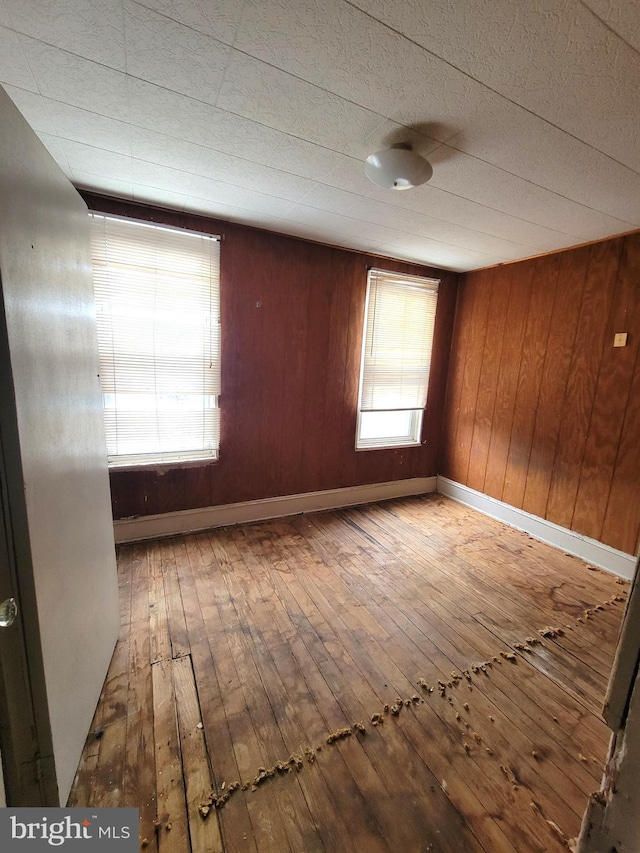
113,724
441,613
378,666
291,711
390,757
348,768
348,683
288,799
597,663
250,753
235,822
408,645
491,602
241,647
176,624
204,835
449,518
172,830
557,577
139,783
159,620
305,689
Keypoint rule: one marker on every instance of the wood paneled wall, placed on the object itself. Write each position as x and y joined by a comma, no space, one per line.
542,411
289,374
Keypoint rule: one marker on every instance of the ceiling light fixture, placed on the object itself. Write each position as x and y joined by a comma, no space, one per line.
397,168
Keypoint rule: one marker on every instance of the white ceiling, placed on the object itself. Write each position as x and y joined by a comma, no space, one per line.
263,111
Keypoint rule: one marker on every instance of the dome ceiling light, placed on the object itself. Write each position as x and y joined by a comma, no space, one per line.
397,168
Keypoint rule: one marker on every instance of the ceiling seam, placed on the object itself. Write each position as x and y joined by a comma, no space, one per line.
609,27
324,147
486,86
126,71
345,216
373,112
404,231
542,187
187,26
323,181
44,101
383,117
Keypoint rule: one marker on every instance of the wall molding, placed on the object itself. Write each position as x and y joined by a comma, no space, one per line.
590,550
205,518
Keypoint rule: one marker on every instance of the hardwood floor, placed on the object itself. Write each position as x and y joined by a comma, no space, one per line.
248,646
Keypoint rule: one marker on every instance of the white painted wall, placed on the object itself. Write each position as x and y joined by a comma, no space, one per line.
48,296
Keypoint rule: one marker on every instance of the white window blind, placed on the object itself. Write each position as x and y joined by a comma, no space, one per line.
396,358
158,311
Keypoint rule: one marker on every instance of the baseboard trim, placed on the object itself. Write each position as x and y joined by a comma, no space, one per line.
205,518
590,550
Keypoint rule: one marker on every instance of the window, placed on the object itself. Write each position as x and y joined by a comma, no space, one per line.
157,302
396,356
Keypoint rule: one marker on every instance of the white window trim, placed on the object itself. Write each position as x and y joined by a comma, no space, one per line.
167,460
389,442
415,433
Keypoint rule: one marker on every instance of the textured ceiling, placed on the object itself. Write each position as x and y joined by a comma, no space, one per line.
263,111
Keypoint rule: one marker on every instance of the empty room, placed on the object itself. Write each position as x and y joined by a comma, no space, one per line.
320,423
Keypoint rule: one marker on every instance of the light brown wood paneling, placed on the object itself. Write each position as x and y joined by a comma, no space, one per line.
553,387
610,399
471,366
621,526
292,316
487,386
556,411
534,343
455,455
583,376
508,372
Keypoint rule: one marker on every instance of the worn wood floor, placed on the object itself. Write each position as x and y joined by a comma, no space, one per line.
247,646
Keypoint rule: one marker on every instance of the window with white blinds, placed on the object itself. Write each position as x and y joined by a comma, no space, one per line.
158,310
396,359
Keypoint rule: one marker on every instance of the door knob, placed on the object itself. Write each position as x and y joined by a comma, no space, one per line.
8,612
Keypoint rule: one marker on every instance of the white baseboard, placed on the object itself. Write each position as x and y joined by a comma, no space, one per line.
192,520
590,550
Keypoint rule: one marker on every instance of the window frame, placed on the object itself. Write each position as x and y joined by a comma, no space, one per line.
171,459
413,438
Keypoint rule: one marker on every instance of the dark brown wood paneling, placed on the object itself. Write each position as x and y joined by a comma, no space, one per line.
324,372
583,376
556,405
543,288
292,316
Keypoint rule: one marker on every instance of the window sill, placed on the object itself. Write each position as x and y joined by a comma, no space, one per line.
162,467
395,446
